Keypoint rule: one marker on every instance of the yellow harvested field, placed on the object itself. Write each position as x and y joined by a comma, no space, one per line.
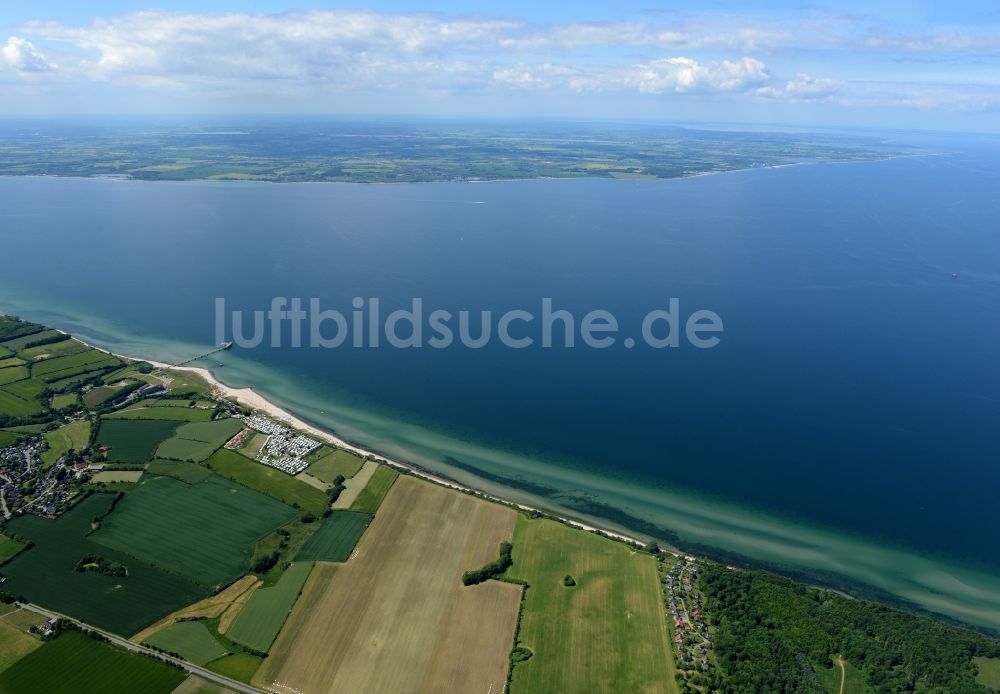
396,617
209,608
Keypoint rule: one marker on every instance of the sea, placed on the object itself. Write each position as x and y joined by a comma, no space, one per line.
845,429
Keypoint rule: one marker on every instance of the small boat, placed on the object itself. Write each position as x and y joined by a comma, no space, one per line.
954,275
226,345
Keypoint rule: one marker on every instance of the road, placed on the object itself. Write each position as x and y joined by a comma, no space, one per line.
136,648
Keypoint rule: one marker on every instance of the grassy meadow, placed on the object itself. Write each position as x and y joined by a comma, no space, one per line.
605,634
133,441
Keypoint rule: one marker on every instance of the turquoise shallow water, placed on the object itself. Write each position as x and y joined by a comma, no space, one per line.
845,425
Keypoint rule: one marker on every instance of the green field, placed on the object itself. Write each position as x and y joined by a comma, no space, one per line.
205,532
180,414
28,389
20,343
989,672
10,361
117,477
98,396
268,480
337,462
77,664
75,435
191,473
262,617
9,438
64,400
238,666
336,537
133,441
192,641
605,634
197,441
370,498
18,407
63,367
55,349
8,547
46,574
15,641
13,373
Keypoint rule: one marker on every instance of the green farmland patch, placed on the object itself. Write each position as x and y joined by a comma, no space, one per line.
75,663
10,361
177,414
18,408
336,462
189,473
238,666
16,345
192,641
9,438
64,400
9,547
29,389
262,617
55,349
46,574
205,532
11,374
64,367
336,538
370,498
133,441
15,641
268,480
199,440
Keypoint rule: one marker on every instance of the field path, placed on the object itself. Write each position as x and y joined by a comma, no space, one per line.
843,673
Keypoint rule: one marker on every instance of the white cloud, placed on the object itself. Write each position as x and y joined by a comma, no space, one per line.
22,56
803,87
689,75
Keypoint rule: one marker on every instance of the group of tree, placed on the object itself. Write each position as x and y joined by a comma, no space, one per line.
767,626
491,570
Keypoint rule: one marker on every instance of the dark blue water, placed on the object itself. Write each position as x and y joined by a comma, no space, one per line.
856,386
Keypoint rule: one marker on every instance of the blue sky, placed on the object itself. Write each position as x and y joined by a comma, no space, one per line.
887,64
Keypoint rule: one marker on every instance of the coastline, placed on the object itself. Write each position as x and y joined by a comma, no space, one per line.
255,401
886,575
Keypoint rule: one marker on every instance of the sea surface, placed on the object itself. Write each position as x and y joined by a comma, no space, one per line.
846,427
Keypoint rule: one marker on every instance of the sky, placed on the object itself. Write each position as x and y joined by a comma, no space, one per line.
887,64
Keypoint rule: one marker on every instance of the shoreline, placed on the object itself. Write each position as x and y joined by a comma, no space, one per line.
248,397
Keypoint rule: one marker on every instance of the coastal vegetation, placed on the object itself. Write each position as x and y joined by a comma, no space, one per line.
772,634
